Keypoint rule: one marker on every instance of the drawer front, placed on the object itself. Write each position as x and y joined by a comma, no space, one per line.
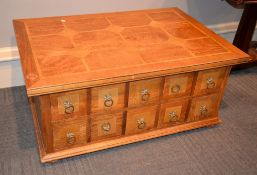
69,134
106,126
203,107
107,98
178,85
68,105
144,92
140,120
209,81
172,113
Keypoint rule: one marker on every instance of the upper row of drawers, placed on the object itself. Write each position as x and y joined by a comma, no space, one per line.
113,97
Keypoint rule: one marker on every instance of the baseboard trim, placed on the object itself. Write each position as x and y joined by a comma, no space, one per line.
224,28
9,54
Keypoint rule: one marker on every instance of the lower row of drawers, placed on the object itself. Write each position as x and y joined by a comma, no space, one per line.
66,134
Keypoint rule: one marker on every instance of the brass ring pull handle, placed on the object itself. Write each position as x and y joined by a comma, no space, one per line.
145,95
108,101
173,116
106,127
68,107
210,83
175,89
141,123
71,139
203,110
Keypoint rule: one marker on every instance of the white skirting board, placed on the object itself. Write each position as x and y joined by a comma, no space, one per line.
11,74
10,69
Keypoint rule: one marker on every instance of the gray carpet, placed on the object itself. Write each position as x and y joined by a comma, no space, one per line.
229,148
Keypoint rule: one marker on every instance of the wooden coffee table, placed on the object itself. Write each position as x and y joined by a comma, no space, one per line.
105,80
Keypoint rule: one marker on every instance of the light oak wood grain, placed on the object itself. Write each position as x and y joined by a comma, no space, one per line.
203,107
144,92
113,122
178,85
68,134
209,81
104,80
128,139
77,100
99,103
38,131
146,115
72,52
173,113
43,110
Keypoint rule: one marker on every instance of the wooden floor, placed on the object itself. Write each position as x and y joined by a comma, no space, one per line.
229,148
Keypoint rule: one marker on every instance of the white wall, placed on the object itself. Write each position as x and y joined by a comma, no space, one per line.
217,14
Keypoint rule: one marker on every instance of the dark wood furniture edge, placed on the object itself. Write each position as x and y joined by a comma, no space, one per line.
246,27
245,32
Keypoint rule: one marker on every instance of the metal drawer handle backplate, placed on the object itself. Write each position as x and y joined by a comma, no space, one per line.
203,110
68,107
108,101
173,116
175,88
106,127
210,83
145,94
141,123
71,139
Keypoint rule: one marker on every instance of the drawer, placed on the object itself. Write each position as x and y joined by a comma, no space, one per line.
203,107
107,98
67,134
144,92
172,113
106,126
140,120
209,81
178,85
68,105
